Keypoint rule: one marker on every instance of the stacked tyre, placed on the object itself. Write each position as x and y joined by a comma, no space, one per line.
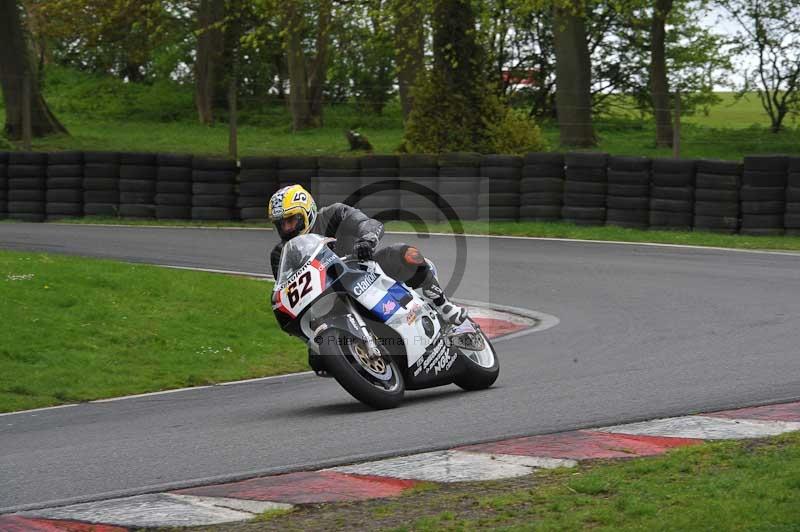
498,198
792,217
27,178
338,180
213,189
174,187
763,195
672,194
628,193
64,185
138,173
418,175
716,196
459,184
258,180
101,184
3,185
383,204
542,187
585,188
298,171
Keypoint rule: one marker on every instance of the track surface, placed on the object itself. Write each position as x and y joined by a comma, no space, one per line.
645,332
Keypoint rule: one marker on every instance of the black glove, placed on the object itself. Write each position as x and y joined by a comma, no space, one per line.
364,247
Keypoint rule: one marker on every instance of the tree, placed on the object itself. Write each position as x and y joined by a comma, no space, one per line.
659,85
770,30
573,75
409,46
18,69
307,72
209,67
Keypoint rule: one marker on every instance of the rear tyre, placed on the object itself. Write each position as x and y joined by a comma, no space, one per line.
481,368
376,383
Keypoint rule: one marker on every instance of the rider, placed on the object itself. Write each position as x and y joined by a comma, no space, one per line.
294,212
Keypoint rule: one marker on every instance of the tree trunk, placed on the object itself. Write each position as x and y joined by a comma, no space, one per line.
209,64
306,78
659,85
573,77
296,60
16,63
319,67
409,48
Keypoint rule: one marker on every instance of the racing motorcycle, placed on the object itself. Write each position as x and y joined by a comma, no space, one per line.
374,335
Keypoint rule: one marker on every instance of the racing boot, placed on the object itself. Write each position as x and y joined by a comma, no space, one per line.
424,280
432,291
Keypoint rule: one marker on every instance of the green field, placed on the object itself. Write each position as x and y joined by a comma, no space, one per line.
750,485
107,114
78,329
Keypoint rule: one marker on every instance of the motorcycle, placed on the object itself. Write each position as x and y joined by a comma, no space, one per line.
376,336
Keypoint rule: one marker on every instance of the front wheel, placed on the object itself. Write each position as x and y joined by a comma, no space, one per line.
481,367
375,382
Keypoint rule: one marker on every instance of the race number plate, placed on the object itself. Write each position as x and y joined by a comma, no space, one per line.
301,289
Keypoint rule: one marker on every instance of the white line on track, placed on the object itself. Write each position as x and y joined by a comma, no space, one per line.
474,235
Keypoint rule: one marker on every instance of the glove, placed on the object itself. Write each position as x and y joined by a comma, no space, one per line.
364,247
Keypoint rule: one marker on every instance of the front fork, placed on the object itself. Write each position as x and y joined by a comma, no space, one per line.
369,339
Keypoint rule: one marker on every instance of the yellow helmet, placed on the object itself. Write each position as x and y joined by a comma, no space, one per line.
293,211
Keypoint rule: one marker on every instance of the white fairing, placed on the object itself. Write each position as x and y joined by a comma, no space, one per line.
406,321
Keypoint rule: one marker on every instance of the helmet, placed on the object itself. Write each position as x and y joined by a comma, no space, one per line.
293,211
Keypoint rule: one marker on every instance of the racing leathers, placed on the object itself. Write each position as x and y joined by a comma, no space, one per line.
358,234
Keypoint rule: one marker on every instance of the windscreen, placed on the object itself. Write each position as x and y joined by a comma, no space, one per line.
296,252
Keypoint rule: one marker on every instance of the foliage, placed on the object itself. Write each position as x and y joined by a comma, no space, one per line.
770,31
96,96
441,124
516,133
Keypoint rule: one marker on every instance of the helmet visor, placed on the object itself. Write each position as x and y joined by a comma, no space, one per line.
291,226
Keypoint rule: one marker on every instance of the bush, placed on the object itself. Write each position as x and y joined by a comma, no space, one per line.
452,122
5,145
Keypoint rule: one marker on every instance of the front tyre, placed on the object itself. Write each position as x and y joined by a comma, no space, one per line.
481,368
375,382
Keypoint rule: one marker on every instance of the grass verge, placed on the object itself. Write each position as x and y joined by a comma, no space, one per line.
78,329
529,229
749,485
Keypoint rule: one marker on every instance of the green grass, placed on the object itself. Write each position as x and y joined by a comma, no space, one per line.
103,113
749,485
531,229
78,329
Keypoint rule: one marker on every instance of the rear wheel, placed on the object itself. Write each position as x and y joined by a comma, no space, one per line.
481,366
376,382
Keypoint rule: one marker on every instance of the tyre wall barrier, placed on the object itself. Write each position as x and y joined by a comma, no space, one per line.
27,186
174,187
792,216
258,180
585,188
542,187
3,185
763,195
214,189
383,204
758,197
628,192
716,196
101,183
64,197
138,173
499,193
459,183
672,194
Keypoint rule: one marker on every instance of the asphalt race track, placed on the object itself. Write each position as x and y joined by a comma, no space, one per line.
645,332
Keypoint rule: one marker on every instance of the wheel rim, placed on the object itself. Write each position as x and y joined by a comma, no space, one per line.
377,371
484,357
